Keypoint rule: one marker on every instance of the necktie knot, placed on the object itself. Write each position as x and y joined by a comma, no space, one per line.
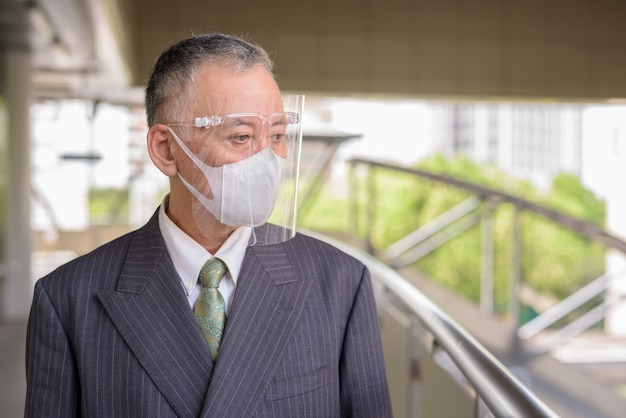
212,272
209,309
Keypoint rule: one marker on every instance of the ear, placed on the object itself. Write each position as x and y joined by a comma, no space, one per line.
159,148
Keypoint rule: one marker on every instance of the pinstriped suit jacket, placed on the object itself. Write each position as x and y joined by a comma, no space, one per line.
111,334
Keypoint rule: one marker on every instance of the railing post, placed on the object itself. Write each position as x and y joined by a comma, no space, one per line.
353,206
486,265
515,282
370,209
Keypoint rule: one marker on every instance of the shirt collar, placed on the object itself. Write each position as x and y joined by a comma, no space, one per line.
188,256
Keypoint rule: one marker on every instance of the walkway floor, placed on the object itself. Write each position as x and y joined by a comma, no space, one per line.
13,376
572,381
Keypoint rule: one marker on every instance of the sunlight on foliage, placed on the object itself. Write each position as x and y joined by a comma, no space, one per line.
555,260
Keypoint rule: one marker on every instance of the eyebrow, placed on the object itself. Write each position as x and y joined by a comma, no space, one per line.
246,120
242,120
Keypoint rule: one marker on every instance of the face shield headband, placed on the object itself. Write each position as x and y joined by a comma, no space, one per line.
262,185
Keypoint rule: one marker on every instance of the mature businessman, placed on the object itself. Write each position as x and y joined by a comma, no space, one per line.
209,310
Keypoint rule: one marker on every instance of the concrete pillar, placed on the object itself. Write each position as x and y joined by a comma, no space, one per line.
607,139
16,292
615,321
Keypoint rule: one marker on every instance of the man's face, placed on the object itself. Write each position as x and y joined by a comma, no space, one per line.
254,105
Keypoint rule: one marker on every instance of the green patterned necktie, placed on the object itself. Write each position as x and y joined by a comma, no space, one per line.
209,308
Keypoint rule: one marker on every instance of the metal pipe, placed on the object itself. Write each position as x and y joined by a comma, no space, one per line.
567,305
501,391
486,265
404,244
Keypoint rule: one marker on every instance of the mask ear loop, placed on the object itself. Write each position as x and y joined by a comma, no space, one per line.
187,151
253,240
216,209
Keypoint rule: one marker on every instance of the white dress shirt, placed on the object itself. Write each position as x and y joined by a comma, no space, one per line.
188,257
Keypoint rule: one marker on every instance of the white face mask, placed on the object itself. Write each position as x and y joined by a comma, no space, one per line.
244,193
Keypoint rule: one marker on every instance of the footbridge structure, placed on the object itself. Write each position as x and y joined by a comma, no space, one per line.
450,357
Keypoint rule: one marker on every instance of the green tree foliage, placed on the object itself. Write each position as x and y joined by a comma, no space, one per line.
109,205
555,260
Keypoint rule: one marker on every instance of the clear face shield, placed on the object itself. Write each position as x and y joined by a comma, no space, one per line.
244,167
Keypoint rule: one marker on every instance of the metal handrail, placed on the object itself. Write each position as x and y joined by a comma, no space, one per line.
587,229
422,234
501,391
567,305
495,197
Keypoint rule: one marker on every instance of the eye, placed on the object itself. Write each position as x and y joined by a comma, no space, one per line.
278,137
277,133
238,130
240,138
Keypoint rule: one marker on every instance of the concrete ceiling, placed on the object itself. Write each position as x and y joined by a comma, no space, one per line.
557,50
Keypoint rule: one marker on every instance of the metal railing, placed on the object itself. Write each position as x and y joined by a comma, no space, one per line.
479,209
444,371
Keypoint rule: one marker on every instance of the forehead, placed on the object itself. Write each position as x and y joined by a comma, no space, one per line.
219,89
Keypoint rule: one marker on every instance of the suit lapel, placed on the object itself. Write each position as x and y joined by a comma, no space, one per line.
266,308
151,313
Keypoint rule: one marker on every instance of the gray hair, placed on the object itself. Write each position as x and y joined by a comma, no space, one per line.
174,71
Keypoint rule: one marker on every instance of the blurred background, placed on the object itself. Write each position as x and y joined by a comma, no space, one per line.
511,112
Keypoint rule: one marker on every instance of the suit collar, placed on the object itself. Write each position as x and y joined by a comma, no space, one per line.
151,313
